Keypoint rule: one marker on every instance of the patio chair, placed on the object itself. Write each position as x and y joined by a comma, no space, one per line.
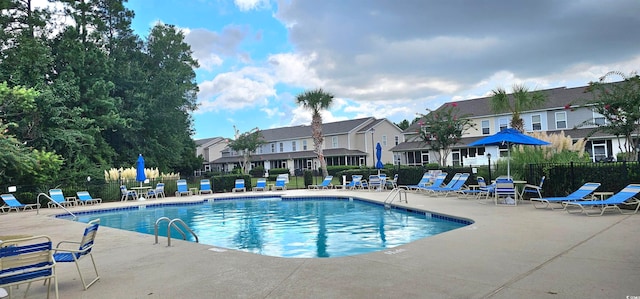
84,198
261,185
183,188
326,184
626,196
580,194
69,255
11,203
356,182
281,184
392,183
239,186
205,187
125,193
58,199
533,189
505,188
27,260
375,182
157,192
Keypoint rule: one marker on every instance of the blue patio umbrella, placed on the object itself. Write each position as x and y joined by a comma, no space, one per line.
140,176
379,164
509,137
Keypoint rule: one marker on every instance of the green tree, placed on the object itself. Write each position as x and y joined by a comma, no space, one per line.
245,144
20,163
316,100
521,99
403,125
618,103
443,128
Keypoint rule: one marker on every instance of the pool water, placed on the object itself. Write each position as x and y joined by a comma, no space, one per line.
286,228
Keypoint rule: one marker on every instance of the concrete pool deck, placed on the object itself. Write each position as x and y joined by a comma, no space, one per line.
509,252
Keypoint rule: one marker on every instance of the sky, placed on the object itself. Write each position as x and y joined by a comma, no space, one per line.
386,59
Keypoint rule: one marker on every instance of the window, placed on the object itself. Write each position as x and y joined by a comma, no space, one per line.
334,141
293,146
384,140
397,139
281,147
561,120
536,122
273,147
503,123
598,119
485,127
304,145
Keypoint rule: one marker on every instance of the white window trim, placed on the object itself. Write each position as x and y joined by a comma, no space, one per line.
565,119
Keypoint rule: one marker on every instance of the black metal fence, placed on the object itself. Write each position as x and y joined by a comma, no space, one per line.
561,179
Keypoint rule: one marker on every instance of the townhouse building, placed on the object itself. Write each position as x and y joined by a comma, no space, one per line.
556,115
350,142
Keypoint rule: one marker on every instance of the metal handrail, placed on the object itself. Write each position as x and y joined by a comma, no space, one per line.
396,192
53,201
172,223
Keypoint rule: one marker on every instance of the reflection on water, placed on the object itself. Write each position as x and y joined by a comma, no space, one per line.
289,228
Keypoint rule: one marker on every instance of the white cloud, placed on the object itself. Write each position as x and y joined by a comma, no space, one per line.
236,90
246,5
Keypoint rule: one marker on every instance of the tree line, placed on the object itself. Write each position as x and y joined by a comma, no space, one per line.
81,92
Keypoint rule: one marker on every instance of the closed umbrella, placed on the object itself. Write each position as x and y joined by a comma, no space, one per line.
140,176
509,137
379,164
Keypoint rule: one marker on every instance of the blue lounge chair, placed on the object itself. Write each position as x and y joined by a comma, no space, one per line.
73,255
84,198
11,203
326,184
183,188
58,199
478,190
456,183
624,197
239,186
127,193
581,193
261,185
157,192
424,182
281,183
436,183
449,184
25,261
205,186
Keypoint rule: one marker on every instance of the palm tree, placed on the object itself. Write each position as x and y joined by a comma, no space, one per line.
316,100
520,100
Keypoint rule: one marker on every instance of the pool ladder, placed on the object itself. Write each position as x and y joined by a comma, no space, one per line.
395,193
174,223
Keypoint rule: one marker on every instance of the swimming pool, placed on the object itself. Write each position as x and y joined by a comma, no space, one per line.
298,227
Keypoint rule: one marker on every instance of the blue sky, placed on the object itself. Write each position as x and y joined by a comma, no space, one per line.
387,59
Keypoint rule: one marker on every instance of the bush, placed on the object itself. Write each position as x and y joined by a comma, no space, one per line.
308,178
257,172
226,183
